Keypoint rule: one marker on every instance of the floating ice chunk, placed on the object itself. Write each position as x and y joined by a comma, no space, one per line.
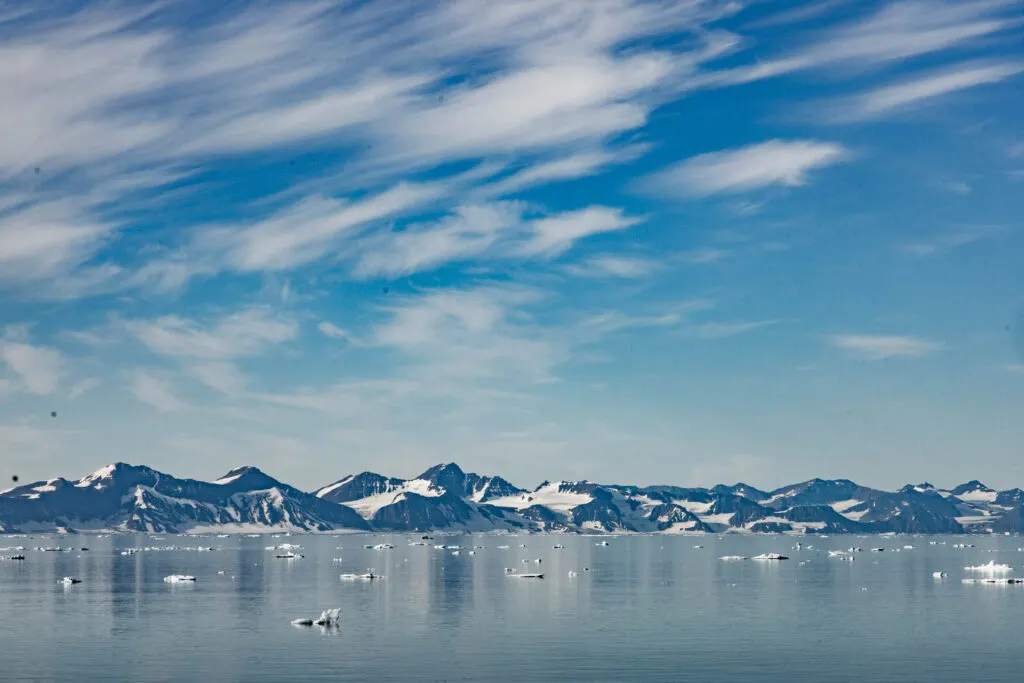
573,573
502,547
770,556
939,575
69,581
526,576
990,567
328,618
179,578
289,556
455,552
368,576
698,547
733,558
602,543
558,546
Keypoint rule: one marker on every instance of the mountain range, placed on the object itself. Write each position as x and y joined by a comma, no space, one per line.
130,498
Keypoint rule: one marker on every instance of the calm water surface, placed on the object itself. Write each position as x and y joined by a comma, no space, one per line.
651,609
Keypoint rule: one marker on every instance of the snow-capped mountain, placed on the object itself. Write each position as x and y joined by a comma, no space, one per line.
445,498
132,498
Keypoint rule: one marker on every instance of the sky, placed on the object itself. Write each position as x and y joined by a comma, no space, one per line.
626,241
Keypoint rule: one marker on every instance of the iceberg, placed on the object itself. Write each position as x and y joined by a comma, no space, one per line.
328,618
990,567
179,578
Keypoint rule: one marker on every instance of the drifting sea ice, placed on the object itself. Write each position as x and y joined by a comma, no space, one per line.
329,618
991,567
179,578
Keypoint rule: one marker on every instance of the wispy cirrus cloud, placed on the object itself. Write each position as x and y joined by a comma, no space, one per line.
893,32
452,82
785,163
610,265
722,330
882,347
919,91
154,390
36,369
949,241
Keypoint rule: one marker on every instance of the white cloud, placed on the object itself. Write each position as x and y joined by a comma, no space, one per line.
704,255
724,330
610,265
920,90
329,329
468,232
476,334
307,231
947,242
110,108
881,347
38,369
83,387
154,391
896,31
220,376
245,333
775,162
554,235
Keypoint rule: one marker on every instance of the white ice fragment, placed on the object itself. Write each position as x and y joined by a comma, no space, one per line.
179,578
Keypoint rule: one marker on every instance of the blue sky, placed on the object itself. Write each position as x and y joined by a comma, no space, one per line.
636,242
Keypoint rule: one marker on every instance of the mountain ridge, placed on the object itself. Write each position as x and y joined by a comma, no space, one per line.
137,498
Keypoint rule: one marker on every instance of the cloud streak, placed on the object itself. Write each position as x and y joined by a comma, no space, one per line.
785,163
882,347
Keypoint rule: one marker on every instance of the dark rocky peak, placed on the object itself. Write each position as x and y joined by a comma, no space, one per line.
448,476
971,487
248,478
355,487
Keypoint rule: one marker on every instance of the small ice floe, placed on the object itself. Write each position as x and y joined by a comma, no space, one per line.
573,573
368,576
526,576
1009,580
990,567
439,547
13,558
471,552
179,578
698,547
289,556
380,546
455,552
939,575
602,543
961,546
878,550
329,618
908,547
509,570
558,546
522,545
453,547
770,556
415,543
525,561
503,547
853,549
69,581
220,572
336,560
733,558
837,553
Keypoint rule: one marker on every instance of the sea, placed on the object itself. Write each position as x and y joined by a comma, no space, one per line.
637,608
